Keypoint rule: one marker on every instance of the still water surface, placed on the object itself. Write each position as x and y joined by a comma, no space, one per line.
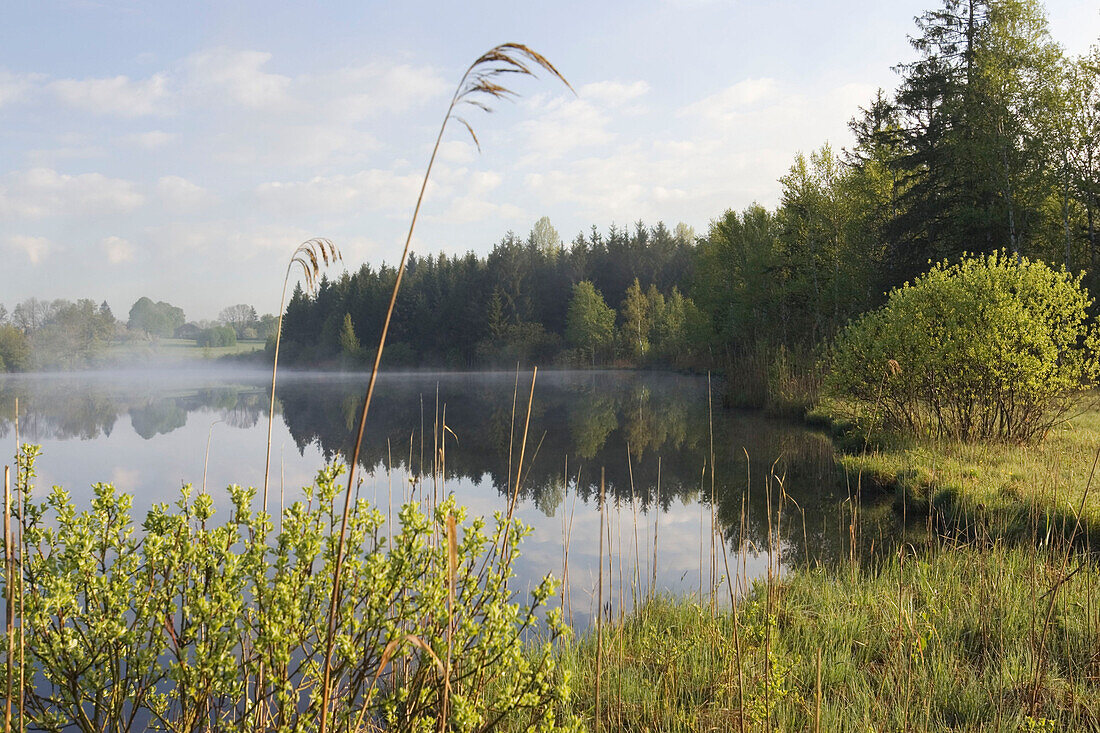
147,432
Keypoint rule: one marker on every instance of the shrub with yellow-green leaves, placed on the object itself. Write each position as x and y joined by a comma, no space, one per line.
193,624
993,347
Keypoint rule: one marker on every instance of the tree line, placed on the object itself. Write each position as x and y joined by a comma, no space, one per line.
63,334
990,141
605,296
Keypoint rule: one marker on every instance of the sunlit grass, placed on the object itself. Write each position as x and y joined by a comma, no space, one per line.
172,350
1012,484
956,638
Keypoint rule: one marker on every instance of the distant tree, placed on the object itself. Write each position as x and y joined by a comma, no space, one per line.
636,315
218,336
545,237
3,314
15,350
155,319
590,322
239,317
31,314
349,343
265,327
684,235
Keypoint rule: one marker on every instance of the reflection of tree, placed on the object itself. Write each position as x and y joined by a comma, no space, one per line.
585,419
88,406
591,420
588,420
161,416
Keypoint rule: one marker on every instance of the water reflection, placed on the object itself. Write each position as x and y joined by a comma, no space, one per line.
650,435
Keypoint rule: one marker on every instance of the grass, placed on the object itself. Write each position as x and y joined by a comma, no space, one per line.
1022,489
171,350
986,616
952,639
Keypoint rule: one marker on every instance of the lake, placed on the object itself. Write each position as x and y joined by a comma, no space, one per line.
649,435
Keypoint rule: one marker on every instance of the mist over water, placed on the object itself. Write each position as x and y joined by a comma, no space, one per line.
147,432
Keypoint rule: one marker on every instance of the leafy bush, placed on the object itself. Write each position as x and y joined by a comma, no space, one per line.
217,336
991,347
193,625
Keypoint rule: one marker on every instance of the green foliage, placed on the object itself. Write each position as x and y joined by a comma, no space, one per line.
992,347
637,316
217,336
349,343
590,321
73,334
508,306
15,352
155,319
191,624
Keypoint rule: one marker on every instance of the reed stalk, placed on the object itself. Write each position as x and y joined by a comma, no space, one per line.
309,255
599,609
478,86
22,636
656,529
9,564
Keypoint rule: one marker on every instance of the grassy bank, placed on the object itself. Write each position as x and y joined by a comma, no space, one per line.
1018,490
960,637
985,615
170,351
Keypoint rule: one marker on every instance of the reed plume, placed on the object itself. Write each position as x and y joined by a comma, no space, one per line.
481,85
310,255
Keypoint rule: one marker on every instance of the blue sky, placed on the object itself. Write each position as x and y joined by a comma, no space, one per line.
182,150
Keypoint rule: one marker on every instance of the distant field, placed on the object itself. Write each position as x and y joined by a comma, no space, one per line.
175,350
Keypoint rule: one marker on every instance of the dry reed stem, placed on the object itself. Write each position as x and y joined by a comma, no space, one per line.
305,255
736,643
656,529
8,566
206,461
599,608
479,81
22,501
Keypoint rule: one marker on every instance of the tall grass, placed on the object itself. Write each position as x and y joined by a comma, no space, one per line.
962,625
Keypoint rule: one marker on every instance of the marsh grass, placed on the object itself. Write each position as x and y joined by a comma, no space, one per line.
1023,490
961,637
979,610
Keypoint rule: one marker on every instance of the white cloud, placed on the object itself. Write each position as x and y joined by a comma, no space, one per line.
34,248
732,101
370,189
226,240
151,140
43,192
117,249
237,76
180,193
561,126
474,202
730,160
360,92
14,86
458,152
125,479
118,95
613,93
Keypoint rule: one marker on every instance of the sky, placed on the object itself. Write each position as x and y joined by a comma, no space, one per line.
183,150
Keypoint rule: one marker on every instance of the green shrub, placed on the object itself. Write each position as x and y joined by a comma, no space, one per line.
217,336
991,347
192,624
